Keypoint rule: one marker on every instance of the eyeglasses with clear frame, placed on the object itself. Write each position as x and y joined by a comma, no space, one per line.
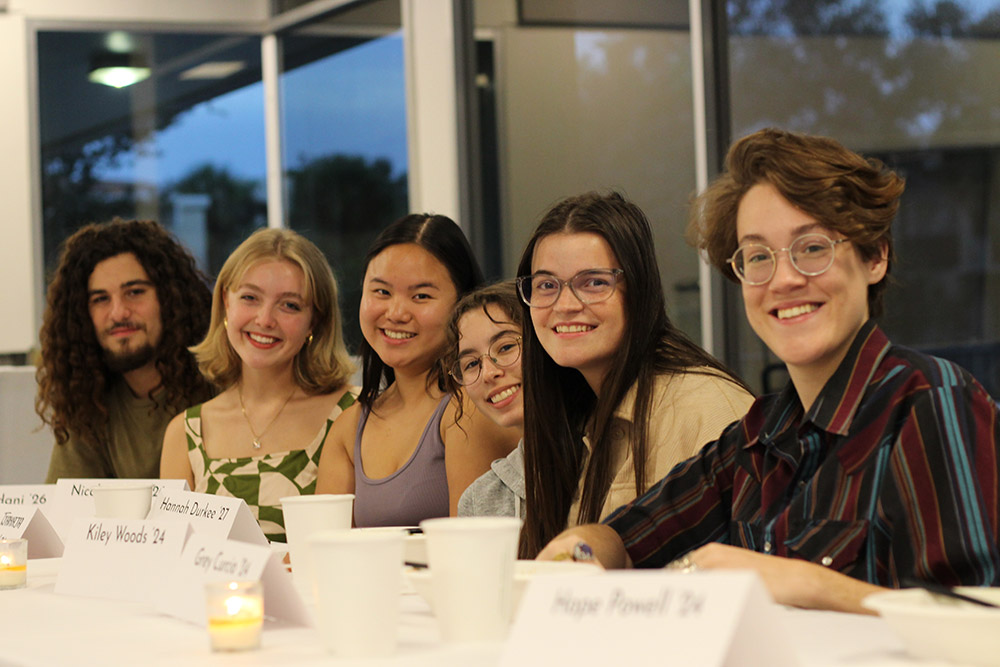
810,254
541,290
503,353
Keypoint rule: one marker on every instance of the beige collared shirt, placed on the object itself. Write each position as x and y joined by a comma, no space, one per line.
689,410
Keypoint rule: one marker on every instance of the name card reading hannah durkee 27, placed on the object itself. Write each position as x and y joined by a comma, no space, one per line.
222,517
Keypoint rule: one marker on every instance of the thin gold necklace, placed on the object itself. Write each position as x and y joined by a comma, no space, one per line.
243,409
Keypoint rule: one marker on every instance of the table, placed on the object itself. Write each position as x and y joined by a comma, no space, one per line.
38,627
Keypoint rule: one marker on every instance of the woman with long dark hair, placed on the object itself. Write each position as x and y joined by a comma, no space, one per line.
406,450
614,394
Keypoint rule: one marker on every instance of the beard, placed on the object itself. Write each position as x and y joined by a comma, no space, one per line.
123,361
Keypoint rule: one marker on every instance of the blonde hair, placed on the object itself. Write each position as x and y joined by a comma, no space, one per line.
322,365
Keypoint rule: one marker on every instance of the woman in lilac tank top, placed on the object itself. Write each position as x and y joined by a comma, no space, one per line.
403,449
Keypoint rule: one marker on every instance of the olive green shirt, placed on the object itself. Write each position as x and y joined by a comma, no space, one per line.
132,448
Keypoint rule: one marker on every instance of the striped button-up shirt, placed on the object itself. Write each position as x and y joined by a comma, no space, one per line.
891,474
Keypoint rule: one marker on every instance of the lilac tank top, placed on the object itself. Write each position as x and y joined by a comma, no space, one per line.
417,491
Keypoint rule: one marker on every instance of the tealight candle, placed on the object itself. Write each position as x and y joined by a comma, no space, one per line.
13,564
235,614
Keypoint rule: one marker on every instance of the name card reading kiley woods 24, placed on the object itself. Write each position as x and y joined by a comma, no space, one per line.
29,522
74,498
709,619
222,517
119,559
207,558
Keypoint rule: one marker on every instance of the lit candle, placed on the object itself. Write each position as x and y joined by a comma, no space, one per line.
235,615
13,564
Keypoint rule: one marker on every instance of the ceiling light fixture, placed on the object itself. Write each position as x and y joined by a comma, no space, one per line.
216,69
117,70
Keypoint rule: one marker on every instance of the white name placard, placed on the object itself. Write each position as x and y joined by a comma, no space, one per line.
29,522
207,558
707,619
25,494
74,498
119,559
222,517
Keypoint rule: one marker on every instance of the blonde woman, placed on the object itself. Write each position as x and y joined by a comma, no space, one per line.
276,350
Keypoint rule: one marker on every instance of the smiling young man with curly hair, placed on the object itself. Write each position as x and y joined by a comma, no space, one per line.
124,304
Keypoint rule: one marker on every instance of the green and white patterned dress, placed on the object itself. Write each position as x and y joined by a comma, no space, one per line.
260,480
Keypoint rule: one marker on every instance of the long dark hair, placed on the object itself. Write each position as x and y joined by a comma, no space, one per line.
558,403
441,237
72,377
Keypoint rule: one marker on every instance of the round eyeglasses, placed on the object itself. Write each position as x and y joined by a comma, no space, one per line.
811,255
504,353
541,290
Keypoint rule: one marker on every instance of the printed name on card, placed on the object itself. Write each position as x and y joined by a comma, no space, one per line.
119,559
207,558
74,498
25,494
710,619
29,522
222,517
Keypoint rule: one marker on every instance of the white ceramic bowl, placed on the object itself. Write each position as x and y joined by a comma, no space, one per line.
938,628
524,571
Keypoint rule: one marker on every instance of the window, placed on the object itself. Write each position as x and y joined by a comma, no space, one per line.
913,84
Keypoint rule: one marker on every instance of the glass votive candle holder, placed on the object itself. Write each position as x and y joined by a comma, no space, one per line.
13,564
235,614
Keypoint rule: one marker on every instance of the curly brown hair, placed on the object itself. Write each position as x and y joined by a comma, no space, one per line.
843,191
72,376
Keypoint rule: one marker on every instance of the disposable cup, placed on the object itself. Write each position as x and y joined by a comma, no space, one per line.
122,501
305,515
358,577
471,561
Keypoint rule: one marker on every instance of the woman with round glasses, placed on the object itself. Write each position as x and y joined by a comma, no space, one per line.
875,465
485,334
614,394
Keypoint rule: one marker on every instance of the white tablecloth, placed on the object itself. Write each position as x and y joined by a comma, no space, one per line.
38,627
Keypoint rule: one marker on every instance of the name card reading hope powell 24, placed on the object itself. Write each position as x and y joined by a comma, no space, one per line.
222,517
74,498
29,522
119,559
710,619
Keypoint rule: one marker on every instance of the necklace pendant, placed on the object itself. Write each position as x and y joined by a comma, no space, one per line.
256,444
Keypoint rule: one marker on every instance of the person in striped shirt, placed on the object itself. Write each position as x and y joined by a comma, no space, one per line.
876,465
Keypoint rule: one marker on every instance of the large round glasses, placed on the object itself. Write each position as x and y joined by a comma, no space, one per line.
541,290
504,352
811,255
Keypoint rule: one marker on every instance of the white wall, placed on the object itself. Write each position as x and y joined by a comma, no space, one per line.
18,250
25,445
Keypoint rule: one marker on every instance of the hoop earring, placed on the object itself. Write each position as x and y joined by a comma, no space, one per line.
225,322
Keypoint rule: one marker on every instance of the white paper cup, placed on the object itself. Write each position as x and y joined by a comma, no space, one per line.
122,501
472,566
358,575
305,515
